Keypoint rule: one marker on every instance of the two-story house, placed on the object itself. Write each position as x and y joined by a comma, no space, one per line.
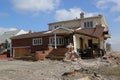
86,32
82,33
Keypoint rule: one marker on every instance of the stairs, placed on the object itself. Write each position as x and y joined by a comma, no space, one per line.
58,53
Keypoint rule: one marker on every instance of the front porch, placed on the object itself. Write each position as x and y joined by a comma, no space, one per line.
88,41
84,42
60,37
58,41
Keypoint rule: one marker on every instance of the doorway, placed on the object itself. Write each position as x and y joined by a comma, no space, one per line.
81,42
90,43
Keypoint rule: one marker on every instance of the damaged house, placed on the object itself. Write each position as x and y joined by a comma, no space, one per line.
84,32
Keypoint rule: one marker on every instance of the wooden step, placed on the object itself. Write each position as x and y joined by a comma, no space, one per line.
58,53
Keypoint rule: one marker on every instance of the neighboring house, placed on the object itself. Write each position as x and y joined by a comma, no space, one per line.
5,42
82,33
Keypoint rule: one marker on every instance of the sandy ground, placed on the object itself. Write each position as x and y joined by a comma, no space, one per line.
53,70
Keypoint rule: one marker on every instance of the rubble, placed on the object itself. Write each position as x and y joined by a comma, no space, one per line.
72,73
70,55
82,69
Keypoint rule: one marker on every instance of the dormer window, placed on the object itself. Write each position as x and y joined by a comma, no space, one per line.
88,24
57,26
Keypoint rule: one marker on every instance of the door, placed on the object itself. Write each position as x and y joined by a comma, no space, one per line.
67,40
81,42
90,43
19,52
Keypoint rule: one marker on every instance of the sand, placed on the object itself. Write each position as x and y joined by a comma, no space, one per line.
53,69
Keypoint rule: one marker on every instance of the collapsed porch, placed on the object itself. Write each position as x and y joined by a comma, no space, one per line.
92,38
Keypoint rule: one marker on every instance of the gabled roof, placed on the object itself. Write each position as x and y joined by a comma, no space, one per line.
92,32
43,33
7,35
96,32
30,35
61,30
92,17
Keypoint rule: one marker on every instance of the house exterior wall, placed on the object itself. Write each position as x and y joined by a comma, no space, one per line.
21,42
80,23
19,46
104,24
102,43
66,24
95,21
94,40
44,46
85,41
28,43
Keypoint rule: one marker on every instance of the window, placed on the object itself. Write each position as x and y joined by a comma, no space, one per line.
85,24
88,24
91,24
59,41
56,27
50,28
37,41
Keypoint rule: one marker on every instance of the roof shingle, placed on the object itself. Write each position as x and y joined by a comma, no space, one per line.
29,35
93,32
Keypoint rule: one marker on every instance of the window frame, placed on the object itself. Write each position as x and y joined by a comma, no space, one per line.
91,24
36,41
59,40
88,24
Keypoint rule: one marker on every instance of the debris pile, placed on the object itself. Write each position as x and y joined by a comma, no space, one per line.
83,74
82,69
70,55
110,58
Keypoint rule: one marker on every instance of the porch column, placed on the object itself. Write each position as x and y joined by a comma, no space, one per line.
105,45
101,43
13,51
55,41
75,43
10,49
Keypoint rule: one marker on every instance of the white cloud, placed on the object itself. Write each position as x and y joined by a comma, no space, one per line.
35,5
102,4
72,13
113,5
2,30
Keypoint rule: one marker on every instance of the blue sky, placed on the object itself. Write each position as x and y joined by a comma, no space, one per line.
36,14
